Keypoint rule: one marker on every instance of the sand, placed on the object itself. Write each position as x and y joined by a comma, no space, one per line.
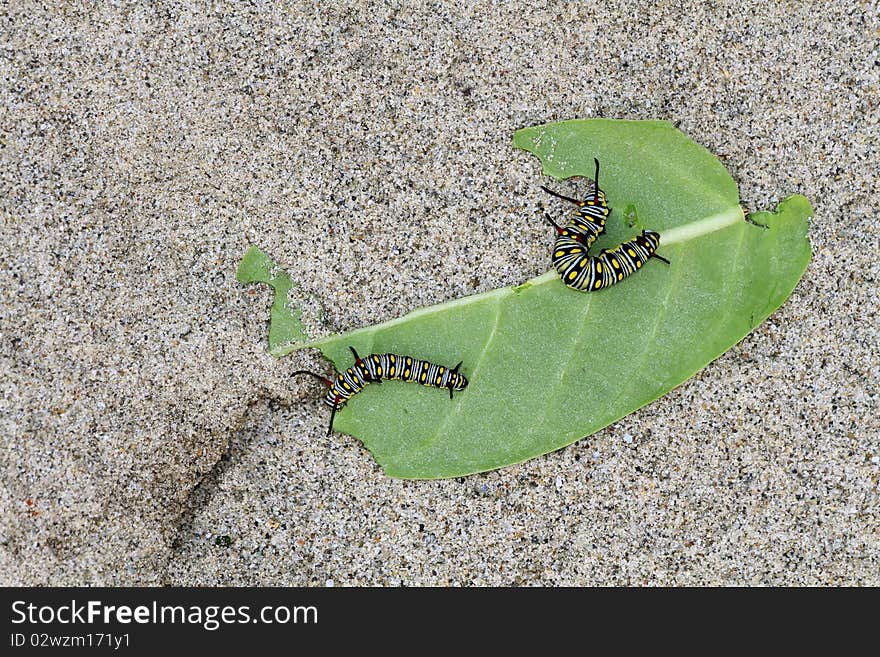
148,438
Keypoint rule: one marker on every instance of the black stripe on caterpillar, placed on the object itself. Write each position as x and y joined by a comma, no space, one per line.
376,368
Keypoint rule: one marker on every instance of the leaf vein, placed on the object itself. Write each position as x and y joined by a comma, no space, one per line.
664,310
567,365
456,410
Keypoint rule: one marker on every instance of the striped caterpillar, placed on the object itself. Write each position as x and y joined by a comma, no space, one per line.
581,271
378,367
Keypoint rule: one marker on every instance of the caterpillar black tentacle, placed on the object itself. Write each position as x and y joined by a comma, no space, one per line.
327,382
553,223
358,360
378,367
564,198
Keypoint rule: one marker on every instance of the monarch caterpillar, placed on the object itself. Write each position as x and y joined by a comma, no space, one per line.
576,267
585,272
376,367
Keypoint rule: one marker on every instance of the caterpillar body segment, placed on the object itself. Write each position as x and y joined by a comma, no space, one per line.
376,368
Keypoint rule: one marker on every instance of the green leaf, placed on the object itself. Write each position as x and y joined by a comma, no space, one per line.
549,365
285,325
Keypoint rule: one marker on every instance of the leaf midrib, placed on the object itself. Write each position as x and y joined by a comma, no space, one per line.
678,235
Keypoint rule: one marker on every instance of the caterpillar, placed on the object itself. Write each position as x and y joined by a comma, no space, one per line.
378,367
571,258
585,272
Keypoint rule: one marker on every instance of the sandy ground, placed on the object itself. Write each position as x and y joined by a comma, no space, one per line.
147,437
